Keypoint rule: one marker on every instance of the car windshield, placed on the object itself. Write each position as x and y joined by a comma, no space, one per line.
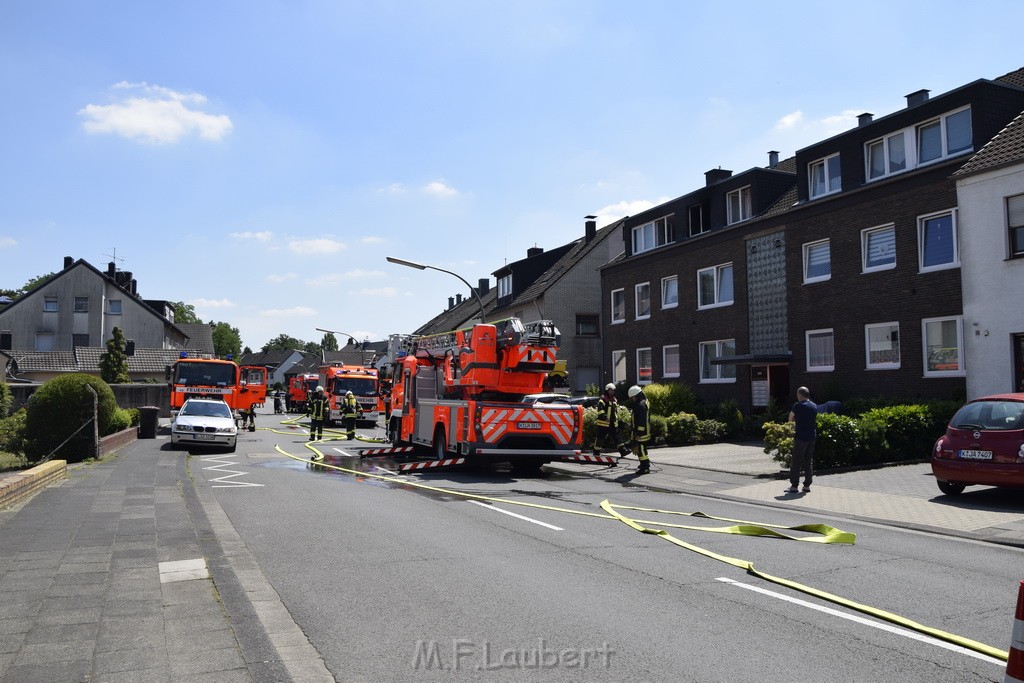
192,373
360,386
995,415
206,409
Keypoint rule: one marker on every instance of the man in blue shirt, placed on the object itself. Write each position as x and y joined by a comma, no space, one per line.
805,416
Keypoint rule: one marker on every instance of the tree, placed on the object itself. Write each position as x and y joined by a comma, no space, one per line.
27,287
114,362
312,347
284,342
329,342
227,340
185,314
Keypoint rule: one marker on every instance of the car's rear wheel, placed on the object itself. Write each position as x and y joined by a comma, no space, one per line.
951,488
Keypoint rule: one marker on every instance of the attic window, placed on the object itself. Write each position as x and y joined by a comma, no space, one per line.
505,286
114,306
50,304
81,304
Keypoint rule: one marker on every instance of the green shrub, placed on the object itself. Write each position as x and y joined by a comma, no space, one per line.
121,420
681,429
728,412
12,433
838,442
6,399
58,409
711,431
669,399
778,441
659,429
136,416
908,431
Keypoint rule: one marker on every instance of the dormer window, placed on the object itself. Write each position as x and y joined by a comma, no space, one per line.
824,176
738,205
907,149
652,235
505,286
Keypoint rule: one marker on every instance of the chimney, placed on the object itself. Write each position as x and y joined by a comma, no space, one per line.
68,260
865,118
773,159
534,251
451,302
483,286
458,299
111,269
716,175
589,227
134,287
917,97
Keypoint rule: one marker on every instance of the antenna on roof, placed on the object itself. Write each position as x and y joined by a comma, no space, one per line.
114,257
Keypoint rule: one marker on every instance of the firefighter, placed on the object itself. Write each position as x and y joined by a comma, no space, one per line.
350,411
317,410
641,427
607,429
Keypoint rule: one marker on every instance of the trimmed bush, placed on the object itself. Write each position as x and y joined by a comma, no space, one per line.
711,431
682,429
778,441
58,409
669,399
121,420
6,399
12,433
838,443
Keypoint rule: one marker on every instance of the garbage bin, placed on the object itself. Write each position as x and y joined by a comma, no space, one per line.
148,422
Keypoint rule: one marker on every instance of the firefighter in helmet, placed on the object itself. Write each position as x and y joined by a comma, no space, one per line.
350,411
641,427
607,429
318,409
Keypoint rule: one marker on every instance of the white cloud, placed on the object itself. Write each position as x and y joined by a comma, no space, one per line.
212,303
153,114
439,189
789,121
380,291
824,127
296,312
316,246
613,212
277,279
7,242
262,235
394,188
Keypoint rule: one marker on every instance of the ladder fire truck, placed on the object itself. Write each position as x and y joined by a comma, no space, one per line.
240,387
360,380
299,389
460,394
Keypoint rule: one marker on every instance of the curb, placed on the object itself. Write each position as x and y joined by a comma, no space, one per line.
17,486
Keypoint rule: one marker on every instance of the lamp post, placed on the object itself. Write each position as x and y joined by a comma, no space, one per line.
424,266
320,329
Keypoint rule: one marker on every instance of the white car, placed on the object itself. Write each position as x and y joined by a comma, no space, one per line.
204,422
546,398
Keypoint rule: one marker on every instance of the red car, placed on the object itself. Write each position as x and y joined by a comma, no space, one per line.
983,444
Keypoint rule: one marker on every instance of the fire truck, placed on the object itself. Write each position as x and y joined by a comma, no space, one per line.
299,389
339,379
240,387
460,394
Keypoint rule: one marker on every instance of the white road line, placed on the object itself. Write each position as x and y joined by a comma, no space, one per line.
342,451
512,514
224,461
913,635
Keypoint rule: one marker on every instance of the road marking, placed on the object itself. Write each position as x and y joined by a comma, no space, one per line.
867,622
522,517
221,467
343,452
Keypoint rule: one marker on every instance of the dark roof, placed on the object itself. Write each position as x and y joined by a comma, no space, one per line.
1006,148
87,359
458,315
200,337
354,354
270,359
786,165
1014,78
783,204
309,364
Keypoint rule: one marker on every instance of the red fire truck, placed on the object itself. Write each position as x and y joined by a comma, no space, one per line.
240,387
299,389
339,379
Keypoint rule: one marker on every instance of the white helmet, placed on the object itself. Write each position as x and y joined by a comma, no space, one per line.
609,387
319,390
348,393
633,391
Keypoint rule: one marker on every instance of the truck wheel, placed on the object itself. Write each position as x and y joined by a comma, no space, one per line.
393,431
440,444
527,467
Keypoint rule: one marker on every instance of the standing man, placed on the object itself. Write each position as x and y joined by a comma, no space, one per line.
607,429
805,416
641,427
349,413
317,408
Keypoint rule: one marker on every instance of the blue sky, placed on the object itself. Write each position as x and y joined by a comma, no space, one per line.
260,159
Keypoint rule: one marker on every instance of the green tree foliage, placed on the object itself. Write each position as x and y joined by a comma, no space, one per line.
27,287
667,399
329,342
284,342
185,314
62,407
114,362
6,399
227,340
312,347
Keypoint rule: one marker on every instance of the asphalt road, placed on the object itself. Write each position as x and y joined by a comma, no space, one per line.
394,582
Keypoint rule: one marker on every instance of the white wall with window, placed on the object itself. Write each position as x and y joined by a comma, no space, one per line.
50,304
937,241
817,261
738,205
114,307
708,350
882,346
878,248
943,340
44,341
933,140
1015,224
670,291
652,235
618,306
670,360
618,366
824,176
81,304
644,365
821,353
642,293
714,286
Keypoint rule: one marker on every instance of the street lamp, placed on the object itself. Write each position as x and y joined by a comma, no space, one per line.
320,329
424,266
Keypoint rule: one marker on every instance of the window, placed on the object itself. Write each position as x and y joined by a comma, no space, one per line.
644,370
6,340
1015,220
824,176
618,366
943,341
943,137
114,306
670,360
505,286
936,235
878,248
714,286
651,235
821,356
79,340
882,346
738,205
44,341
50,304
587,325
618,306
817,261
695,217
81,304
717,349
669,292
643,300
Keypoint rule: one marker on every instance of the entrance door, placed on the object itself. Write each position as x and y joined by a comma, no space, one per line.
778,384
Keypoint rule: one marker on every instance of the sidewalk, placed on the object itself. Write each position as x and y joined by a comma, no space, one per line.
905,496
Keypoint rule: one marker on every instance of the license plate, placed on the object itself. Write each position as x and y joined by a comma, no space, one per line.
528,425
204,437
975,455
